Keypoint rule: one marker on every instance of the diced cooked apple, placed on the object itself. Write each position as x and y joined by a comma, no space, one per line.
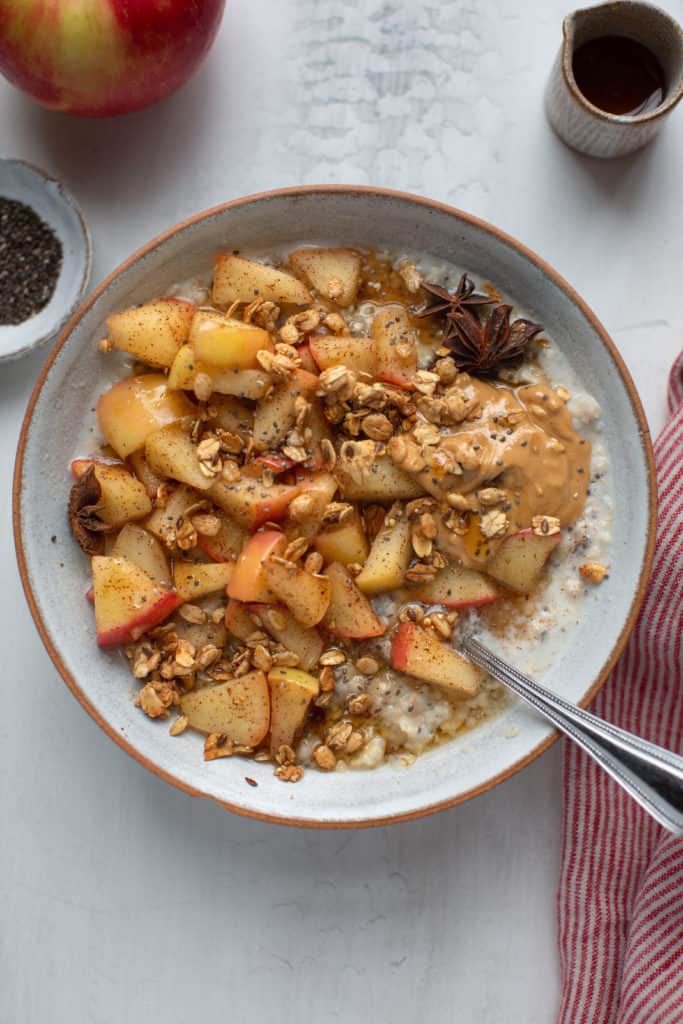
306,594
276,415
171,454
238,709
236,279
128,602
154,332
135,407
334,273
365,476
303,641
229,413
201,633
291,692
167,518
343,542
519,561
276,462
251,384
251,503
225,545
248,581
123,498
389,557
395,348
457,587
193,581
147,477
349,614
238,620
318,489
226,344
416,651
319,429
144,550
356,354
307,360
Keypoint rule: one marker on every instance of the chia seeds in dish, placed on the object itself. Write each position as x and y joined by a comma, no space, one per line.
30,262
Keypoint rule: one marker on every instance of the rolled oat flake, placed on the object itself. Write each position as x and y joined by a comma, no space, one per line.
30,262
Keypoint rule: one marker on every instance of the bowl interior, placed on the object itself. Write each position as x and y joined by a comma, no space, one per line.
56,573
55,205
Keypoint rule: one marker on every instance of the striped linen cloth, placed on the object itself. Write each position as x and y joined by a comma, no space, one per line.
620,898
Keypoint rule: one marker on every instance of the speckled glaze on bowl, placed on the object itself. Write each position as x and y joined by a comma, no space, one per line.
55,574
53,202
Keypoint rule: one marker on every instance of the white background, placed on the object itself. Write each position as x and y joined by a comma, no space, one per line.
123,900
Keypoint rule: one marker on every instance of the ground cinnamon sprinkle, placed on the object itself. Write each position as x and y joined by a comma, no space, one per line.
30,262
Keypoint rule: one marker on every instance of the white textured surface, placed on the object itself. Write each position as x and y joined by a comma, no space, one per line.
122,900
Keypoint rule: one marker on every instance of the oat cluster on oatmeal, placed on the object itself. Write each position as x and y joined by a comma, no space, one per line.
299,493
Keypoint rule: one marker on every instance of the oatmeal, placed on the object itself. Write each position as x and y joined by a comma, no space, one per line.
321,467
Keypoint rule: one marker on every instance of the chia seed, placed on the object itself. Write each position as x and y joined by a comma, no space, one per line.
30,262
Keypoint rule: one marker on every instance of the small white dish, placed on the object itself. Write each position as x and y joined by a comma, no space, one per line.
54,204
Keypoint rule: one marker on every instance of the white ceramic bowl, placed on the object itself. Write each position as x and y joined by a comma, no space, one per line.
53,202
55,574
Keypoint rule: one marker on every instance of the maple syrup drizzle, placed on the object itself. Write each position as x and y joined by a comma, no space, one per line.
619,75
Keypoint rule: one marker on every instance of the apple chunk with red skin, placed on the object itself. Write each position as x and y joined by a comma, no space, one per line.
137,406
291,692
226,544
306,594
194,581
128,602
250,503
144,550
152,333
417,652
122,496
519,561
349,614
238,709
457,587
248,581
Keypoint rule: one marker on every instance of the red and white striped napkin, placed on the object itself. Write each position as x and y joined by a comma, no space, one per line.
620,899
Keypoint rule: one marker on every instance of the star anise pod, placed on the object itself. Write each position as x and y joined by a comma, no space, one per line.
482,347
84,513
448,303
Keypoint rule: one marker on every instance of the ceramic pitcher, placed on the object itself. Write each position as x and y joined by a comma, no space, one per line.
588,128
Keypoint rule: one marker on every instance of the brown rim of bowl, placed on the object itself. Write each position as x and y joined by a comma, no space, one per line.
452,212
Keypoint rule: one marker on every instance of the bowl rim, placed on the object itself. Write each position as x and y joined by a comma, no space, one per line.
294,192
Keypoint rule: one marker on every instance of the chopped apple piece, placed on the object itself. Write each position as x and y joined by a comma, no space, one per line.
147,477
519,561
233,415
275,416
307,360
201,633
238,620
416,651
167,518
122,499
457,587
171,454
350,614
389,557
343,542
365,476
225,545
334,273
194,581
238,280
318,490
291,692
135,407
225,343
276,462
128,602
395,348
248,581
251,503
152,333
238,709
343,350
143,550
303,641
306,594
242,383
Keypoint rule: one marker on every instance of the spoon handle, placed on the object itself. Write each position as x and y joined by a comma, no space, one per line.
652,775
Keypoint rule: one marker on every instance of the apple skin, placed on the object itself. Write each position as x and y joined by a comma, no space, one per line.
97,58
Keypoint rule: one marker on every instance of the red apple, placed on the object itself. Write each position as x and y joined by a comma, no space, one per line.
128,602
97,58
417,652
248,581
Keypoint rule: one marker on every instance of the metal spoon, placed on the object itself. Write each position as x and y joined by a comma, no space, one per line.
651,775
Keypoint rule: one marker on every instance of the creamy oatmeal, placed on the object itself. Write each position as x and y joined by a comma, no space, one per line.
318,469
